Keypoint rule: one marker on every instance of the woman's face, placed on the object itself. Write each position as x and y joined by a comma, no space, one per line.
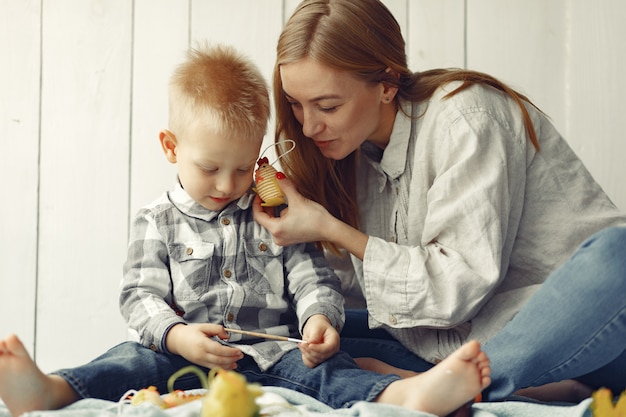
336,110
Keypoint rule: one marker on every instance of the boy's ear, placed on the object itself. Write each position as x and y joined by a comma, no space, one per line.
168,144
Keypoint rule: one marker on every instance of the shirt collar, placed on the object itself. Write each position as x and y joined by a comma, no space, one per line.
394,157
393,161
183,201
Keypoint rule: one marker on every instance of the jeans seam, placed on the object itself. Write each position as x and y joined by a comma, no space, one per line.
563,365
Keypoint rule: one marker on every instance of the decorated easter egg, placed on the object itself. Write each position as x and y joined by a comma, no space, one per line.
267,185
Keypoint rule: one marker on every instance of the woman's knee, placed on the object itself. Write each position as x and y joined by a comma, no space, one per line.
611,240
602,256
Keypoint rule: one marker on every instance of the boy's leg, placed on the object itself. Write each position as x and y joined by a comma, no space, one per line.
376,345
127,366
388,351
23,387
339,382
573,325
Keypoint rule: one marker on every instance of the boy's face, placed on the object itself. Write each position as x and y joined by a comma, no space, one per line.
214,168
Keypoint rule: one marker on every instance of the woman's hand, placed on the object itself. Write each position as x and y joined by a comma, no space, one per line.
323,341
307,221
193,342
303,221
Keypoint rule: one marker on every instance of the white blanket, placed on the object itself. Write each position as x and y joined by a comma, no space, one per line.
280,402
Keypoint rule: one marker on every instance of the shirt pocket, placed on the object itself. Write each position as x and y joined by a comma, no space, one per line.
190,268
264,262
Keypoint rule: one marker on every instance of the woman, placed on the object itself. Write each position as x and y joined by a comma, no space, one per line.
465,213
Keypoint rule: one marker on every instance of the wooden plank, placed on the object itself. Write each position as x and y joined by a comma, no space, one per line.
558,53
436,34
596,87
156,53
84,178
19,136
522,43
288,9
251,27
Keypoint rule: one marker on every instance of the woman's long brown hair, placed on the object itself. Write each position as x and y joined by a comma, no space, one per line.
363,38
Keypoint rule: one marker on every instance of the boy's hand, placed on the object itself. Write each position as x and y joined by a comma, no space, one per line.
193,342
323,341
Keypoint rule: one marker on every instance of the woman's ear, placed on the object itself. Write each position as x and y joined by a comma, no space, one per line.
389,90
389,93
168,144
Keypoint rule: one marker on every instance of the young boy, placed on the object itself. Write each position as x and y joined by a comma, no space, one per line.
197,263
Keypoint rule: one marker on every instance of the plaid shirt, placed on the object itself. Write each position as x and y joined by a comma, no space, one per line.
187,264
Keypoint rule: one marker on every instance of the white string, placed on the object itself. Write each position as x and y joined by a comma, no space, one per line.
125,400
276,144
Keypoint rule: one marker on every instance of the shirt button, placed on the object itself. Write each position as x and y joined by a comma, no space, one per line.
189,251
262,247
228,273
392,319
230,317
225,221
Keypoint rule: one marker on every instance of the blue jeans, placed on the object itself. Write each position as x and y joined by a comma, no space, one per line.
337,382
574,327
359,341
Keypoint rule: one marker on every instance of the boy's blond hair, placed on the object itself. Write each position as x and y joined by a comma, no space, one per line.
219,87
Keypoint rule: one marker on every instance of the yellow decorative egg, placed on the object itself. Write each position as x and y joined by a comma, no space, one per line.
228,394
603,406
267,185
231,396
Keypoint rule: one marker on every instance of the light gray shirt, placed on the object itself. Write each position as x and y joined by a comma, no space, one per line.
466,219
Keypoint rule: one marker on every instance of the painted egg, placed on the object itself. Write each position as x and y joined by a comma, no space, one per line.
267,185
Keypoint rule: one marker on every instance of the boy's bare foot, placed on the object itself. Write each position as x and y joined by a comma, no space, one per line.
23,387
445,387
569,390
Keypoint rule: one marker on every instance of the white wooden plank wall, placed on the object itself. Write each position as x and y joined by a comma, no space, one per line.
83,94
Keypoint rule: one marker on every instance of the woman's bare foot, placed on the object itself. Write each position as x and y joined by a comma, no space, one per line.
23,387
445,387
568,390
